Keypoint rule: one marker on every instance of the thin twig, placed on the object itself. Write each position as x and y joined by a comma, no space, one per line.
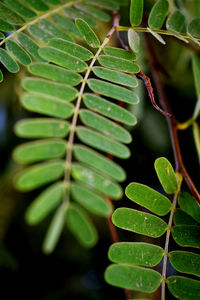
149,88
172,122
164,269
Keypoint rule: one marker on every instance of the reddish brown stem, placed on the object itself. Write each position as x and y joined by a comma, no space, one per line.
172,122
149,88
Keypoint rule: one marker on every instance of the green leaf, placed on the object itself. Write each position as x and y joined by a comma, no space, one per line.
103,143
29,45
142,254
176,22
186,235
87,33
134,40
139,222
8,61
39,175
185,262
121,53
157,36
194,28
90,200
181,218
39,150
47,106
40,34
118,64
6,27
81,226
184,288
106,4
166,175
1,76
109,109
189,205
148,198
10,16
105,126
67,24
133,278
113,91
47,201
136,12
54,231
196,74
158,14
63,59
76,14
115,76
38,5
72,49
96,181
196,132
20,9
55,73
94,12
20,54
49,88
54,30
2,36
42,128
99,162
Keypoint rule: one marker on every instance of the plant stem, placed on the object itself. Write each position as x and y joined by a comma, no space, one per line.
164,270
158,31
76,113
172,122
